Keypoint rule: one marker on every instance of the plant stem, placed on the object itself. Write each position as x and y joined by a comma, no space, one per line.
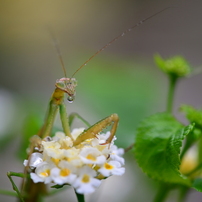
182,193
129,148
9,193
200,151
15,188
162,192
80,197
172,84
165,188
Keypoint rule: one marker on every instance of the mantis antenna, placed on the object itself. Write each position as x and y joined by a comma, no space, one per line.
56,45
116,38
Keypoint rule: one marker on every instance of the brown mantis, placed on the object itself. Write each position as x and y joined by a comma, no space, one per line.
33,191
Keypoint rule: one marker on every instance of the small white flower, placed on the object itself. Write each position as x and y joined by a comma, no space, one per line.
64,141
116,154
35,159
117,151
52,149
63,174
103,138
58,135
90,155
117,158
72,155
111,168
86,183
76,132
42,173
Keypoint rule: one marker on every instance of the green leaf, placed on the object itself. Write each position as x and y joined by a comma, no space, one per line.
31,127
192,114
157,148
197,184
57,186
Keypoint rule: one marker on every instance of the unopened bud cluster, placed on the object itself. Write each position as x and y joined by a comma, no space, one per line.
176,66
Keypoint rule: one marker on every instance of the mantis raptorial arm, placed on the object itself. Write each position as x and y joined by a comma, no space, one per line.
95,129
57,102
64,120
49,120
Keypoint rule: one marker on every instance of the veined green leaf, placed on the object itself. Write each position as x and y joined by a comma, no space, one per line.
157,147
197,184
192,114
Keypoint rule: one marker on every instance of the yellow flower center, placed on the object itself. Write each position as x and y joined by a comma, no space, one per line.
85,178
108,166
64,146
91,157
46,173
56,161
66,159
65,172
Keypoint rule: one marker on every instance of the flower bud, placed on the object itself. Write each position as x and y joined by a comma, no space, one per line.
176,66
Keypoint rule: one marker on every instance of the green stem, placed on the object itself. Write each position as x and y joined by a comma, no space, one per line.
129,148
15,188
80,197
200,151
172,84
165,188
162,192
182,193
9,193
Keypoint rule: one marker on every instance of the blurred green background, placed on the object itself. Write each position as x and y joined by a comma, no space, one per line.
122,79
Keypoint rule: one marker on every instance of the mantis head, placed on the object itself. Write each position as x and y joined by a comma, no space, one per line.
67,85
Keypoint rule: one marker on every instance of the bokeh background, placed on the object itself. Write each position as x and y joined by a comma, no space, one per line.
122,79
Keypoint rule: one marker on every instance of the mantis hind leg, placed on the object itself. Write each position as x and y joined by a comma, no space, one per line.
98,127
72,116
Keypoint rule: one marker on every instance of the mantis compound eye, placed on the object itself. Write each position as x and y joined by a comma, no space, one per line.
70,99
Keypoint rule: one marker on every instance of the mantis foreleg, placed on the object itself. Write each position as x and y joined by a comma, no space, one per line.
49,120
55,103
64,120
98,127
35,191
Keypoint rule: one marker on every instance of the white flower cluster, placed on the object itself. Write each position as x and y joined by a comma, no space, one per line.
82,166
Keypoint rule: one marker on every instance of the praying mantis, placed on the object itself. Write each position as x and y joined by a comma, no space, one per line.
31,191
